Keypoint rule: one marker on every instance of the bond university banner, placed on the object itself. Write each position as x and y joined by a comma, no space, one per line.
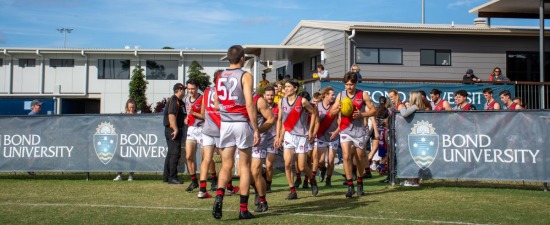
498,145
475,91
82,143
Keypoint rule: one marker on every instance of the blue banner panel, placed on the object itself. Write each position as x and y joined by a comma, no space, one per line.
475,91
123,143
475,145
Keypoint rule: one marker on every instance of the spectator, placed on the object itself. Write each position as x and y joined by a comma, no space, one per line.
356,69
519,102
425,100
416,104
497,75
287,77
469,76
461,103
264,81
506,99
280,94
36,107
131,108
437,103
492,103
323,74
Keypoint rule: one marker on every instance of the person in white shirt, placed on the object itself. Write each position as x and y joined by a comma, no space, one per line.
323,74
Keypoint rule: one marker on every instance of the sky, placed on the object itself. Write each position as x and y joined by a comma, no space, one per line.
204,24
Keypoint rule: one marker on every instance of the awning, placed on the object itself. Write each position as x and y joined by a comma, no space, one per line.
528,9
282,52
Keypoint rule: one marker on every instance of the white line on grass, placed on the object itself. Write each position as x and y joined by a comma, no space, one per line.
205,209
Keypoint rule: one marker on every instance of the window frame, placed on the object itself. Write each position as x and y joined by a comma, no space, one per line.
103,78
61,63
435,51
147,70
26,62
378,52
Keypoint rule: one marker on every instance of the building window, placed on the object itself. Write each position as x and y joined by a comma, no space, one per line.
113,69
1,62
281,72
435,57
315,60
161,70
61,62
379,56
27,62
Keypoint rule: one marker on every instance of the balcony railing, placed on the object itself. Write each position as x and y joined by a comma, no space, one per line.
529,92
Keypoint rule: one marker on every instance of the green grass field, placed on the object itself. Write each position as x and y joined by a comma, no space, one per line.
54,198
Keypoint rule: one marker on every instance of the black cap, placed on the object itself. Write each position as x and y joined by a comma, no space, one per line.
178,86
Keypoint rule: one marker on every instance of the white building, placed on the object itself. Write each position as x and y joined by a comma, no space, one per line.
92,80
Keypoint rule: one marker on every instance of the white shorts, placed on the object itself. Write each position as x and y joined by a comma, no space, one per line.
332,145
261,153
358,142
194,134
208,140
238,134
298,143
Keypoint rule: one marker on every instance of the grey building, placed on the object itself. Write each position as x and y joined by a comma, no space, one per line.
413,51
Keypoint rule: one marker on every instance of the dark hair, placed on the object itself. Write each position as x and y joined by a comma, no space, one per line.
462,93
321,66
435,91
423,93
317,95
269,88
522,104
216,75
487,91
235,53
193,82
293,82
305,95
381,110
350,76
505,93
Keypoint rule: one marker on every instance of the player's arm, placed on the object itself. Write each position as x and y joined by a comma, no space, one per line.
375,128
447,106
267,114
313,112
247,84
203,105
280,131
198,115
172,110
371,108
497,106
518,107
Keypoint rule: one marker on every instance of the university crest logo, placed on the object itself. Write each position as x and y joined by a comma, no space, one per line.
105,142
423,144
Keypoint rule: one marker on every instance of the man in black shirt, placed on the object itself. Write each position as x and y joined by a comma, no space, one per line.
470,76
174,131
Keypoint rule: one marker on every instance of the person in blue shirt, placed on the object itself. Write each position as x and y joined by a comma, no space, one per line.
36,106
356,70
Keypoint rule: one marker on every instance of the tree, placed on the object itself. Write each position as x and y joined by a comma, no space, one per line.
138,86
167,47
195,72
